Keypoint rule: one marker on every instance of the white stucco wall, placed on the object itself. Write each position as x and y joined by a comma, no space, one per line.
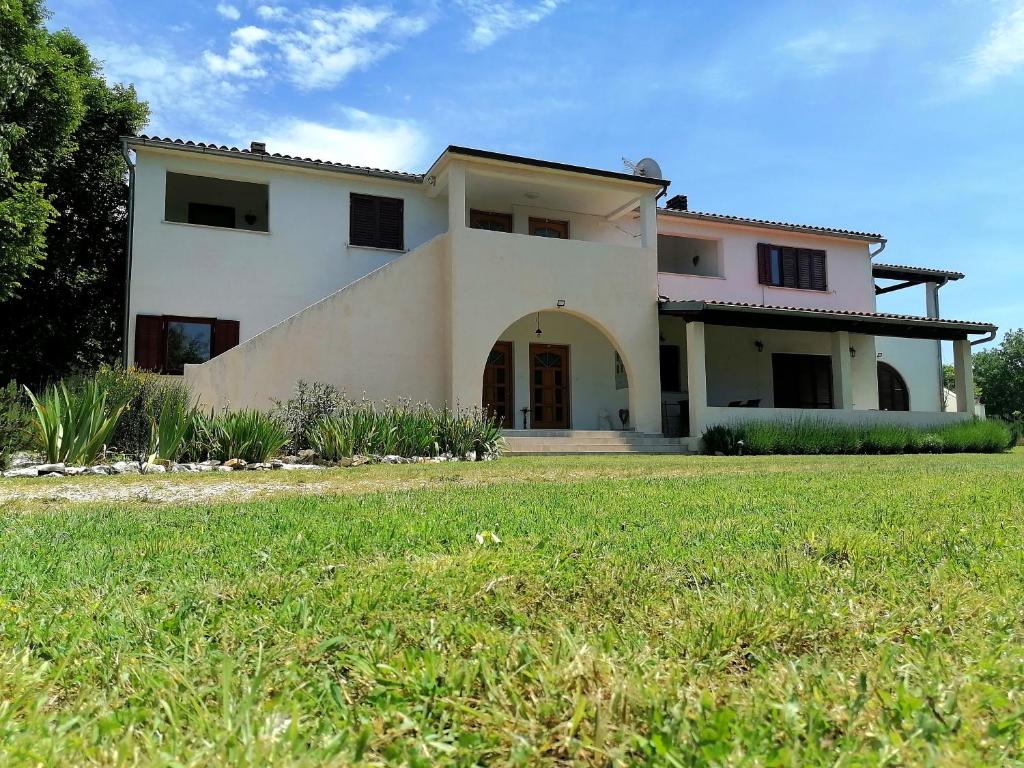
848,266
384,335
498,278
917,361
591,365
258,278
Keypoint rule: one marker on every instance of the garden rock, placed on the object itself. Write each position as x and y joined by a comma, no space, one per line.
235,463
209,463
187,467
258,465
99,469
71,471
302,466
224,468
153,469
22,472
45,469
306,454
125,468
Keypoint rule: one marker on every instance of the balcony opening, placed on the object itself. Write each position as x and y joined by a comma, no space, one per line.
216,202
689,256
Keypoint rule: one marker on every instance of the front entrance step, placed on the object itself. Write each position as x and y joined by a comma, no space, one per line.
570,442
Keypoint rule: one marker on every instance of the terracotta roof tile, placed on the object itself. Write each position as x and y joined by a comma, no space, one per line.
880,270
278,156
745,221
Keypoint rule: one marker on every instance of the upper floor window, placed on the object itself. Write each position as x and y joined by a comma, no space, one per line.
549,228
688,256
495,222
215,202
376,222
786,267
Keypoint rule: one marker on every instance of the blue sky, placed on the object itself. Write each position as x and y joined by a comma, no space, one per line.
905,118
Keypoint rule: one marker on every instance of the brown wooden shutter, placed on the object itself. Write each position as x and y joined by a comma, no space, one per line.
764,264
149,337
819,273
362,220
789,267
390,222
225,336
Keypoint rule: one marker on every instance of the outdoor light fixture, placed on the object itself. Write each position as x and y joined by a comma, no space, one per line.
853,352
760,345
561,302
538,331
250,218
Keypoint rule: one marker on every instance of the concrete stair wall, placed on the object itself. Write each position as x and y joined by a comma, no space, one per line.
549,442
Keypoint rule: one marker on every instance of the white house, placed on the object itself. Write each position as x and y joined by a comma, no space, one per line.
561,297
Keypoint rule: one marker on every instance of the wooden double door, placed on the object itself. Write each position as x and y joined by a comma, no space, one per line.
550,390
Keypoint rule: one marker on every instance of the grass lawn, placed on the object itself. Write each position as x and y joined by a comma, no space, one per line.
645,610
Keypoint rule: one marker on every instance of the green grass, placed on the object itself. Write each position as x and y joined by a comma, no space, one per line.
661,611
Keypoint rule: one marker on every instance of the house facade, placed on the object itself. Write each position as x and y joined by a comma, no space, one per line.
557,296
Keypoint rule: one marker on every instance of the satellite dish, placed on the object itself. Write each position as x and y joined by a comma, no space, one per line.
647,167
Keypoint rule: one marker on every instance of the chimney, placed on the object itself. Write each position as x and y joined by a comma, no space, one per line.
677,203
257,147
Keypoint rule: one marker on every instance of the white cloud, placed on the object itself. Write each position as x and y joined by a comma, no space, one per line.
494,18
242,59
317,47
1003,52
823,50
363,139
229,11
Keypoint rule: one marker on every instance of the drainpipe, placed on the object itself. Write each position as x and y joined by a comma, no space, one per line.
881,247
990,336
128,252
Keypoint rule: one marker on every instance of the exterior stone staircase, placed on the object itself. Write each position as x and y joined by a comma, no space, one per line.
570,442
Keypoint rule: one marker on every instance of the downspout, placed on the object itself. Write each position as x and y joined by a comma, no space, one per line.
990,336
128,253
881,247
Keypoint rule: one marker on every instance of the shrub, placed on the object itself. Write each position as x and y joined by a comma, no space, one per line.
811,436
74,426
403,430
250,435
15,419
147,395
311,403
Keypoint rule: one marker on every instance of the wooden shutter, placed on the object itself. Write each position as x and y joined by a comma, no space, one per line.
390,222
362,220
764,264
225,336
819,274
789,267
149,337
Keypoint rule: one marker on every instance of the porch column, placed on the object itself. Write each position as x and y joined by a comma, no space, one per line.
456,196
964,376
696,375
648,221
842,370
931,299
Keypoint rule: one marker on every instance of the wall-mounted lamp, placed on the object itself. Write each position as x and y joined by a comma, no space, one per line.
853,352
250,218
560,303
538,331
760,345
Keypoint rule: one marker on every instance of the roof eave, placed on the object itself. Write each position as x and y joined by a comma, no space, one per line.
739,221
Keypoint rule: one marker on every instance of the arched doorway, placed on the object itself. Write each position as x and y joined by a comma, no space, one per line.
556,370
893,394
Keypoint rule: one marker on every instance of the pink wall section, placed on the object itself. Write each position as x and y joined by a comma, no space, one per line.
848,263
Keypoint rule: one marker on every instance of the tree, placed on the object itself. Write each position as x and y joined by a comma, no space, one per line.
40,107
999,373
67,312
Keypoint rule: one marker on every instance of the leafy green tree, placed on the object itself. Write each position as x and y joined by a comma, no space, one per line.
40,107
999,373
66,313
949,377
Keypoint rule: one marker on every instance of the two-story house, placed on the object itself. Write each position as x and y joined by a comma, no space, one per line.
560,297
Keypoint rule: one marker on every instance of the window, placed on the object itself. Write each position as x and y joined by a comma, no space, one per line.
166,343
893,394
802,381
549,228
214,202
495,222
785,267
688,256
376,222
671,376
